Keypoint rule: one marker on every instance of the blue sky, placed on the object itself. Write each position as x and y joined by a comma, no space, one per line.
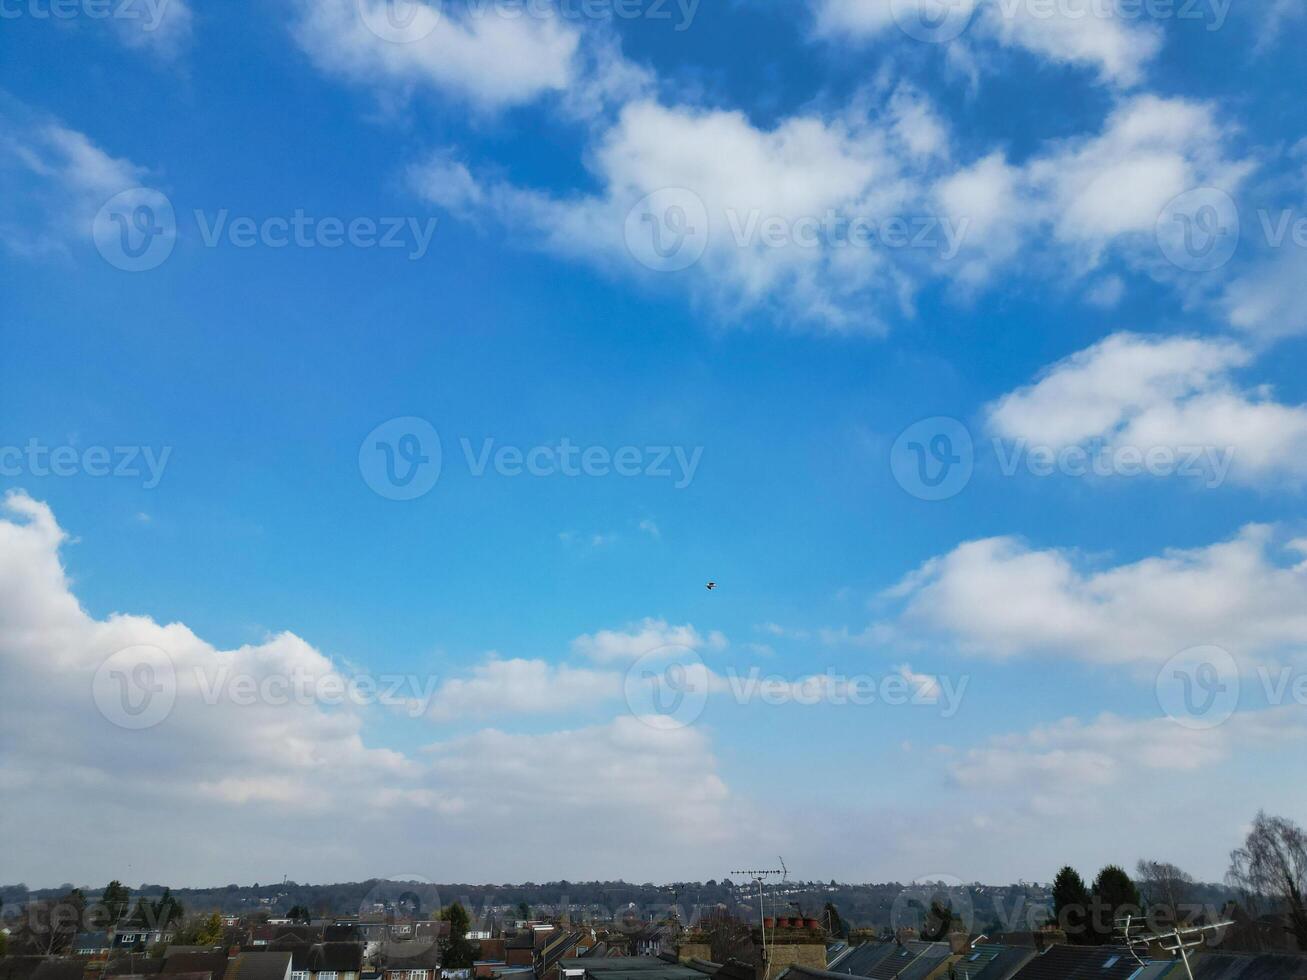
1058,145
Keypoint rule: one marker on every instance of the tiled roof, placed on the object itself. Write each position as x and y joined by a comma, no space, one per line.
860,960
1251,966
926,962
214,964
259,966
19,967
337,957
135,965
1080,963
900,957
1005,965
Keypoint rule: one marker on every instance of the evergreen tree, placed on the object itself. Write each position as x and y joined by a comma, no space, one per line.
1071,905
1114,895
458,953
115,900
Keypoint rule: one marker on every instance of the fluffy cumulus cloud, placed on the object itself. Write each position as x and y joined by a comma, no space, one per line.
58,178
1078,772
1090,34
259,757
1268,300
1086,195
518,686
1164,393
1002,598
484,54
764,216
837,221
645,638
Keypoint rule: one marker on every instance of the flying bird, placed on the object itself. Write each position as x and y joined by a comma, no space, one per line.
711,586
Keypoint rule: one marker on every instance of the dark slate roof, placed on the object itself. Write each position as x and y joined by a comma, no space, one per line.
91,940
299,952
340,957
901,957
19,967
1250,966
137,965
974,960
733,969
559,946
926,962
808,973
1005,965
214,964
1080,963
258,966
860,960
631,968
60,970
411,955
1161,970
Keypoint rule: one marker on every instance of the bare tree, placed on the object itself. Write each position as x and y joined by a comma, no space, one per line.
1167,890
1272,864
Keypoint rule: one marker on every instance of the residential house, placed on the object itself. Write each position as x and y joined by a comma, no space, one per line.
259,965
1090,963
95,944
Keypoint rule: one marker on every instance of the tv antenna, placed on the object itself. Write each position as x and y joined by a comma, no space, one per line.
760,877
1177,941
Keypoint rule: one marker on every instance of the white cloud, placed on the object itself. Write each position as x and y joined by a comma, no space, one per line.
517,686
484,54
163,28
1000,598
490,60
1082,33
1168,392
1269,300
58,178
224,784
887,171
1275,14
925,687
1092,193
1073,769
808,174
644,637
